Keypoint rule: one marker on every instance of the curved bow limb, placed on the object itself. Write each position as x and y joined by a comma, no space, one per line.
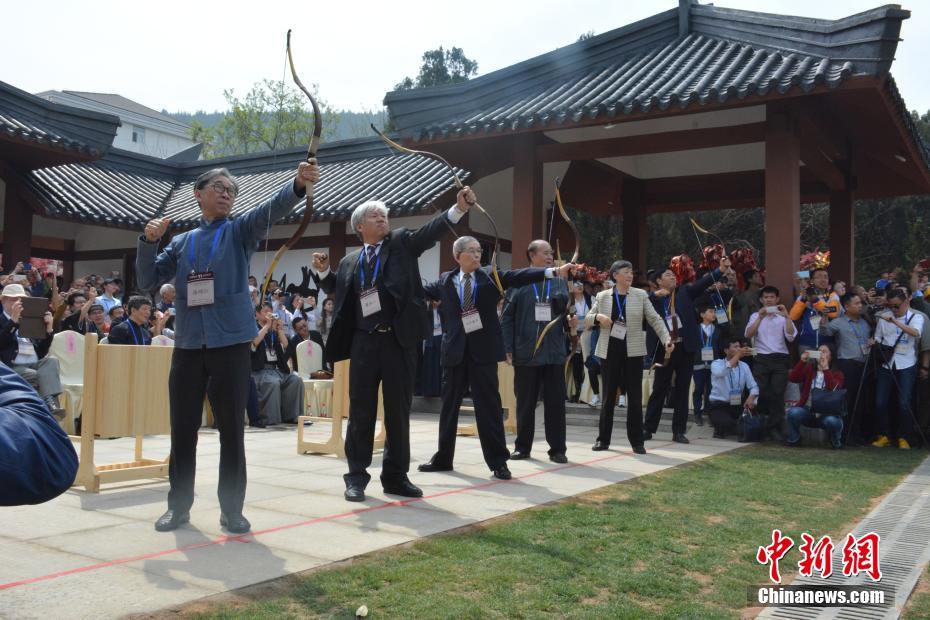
309,187
458,183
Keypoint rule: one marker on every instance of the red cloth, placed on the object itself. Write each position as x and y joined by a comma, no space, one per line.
804,373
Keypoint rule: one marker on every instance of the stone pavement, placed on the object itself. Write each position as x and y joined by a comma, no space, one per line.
87,555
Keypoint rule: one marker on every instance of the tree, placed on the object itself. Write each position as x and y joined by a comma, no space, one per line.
441,66
272,116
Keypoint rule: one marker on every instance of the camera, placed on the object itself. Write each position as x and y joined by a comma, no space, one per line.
275,315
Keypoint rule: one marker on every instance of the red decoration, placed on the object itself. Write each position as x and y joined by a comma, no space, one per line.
586,273
815,260
742,260
683,268
712,256
924,264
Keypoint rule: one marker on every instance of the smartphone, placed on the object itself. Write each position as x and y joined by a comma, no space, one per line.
771,309
27,266
172,311
813,355
803,275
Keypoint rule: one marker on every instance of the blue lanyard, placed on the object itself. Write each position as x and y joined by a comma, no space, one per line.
620,307
548,290
361,263
474,291
133,331
705,339
272,339
855,329
720,297
194,252
668,307
739,378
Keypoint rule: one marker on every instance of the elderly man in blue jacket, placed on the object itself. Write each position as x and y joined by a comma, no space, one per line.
215,325
37,460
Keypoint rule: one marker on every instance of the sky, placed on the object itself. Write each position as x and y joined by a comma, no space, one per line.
181,56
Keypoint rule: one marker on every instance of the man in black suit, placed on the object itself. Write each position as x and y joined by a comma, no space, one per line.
379,319
675,304
472,345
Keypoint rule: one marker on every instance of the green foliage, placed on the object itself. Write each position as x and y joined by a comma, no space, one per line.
272,116
441,66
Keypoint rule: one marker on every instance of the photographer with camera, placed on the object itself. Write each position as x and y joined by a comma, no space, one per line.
729,379
771,330
813,372
897,335
815,302
280,393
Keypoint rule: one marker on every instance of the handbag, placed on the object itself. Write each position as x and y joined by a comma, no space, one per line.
321,374
828,402
750,427
886,352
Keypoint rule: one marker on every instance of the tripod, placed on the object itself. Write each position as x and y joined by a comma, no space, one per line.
875,360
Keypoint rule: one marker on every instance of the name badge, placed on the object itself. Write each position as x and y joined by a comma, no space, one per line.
707,354
673,322
722,318
200,289
865,349
437,330
736,398
903,348
543,312
618,330
26,348
815,322
270,354
471,321
371,303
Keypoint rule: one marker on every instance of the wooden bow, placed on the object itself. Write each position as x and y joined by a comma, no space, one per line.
311,153
458,183
570,307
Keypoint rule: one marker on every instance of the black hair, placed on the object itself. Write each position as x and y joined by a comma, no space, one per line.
768,289
73,296
135,302
847,298
296,320
896,293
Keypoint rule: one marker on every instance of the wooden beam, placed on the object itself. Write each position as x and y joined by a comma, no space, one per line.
822,167
666,142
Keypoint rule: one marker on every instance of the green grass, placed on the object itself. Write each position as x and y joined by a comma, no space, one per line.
919,604
677,544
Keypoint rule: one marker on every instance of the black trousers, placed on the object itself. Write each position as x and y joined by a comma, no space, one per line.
378,359
527,382
858,415
620,372
577,372
771,374
680,365
481,380
227,372
723,416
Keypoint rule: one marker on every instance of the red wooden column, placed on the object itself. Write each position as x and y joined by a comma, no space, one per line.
842,236
337,242
782,200
635,234
527,198
17,225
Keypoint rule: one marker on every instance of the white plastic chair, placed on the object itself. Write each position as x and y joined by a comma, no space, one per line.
318,393
68,348
104,340
162,341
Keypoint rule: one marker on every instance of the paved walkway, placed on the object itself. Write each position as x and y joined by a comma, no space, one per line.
89,555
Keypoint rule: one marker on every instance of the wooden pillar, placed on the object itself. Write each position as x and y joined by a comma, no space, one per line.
17,225
337,242
842,236
635,234
527,197
782,200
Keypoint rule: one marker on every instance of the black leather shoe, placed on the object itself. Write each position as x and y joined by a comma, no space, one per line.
647,435
431,466
599,446
171,520
718,435
354,494
680,438
639,450
403,487
502,473
518,455
699,420
259,424
235,523
558,457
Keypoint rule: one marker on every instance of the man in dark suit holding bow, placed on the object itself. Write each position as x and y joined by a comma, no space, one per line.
380,317
472,345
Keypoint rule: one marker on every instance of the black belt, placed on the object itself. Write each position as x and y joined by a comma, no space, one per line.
378,329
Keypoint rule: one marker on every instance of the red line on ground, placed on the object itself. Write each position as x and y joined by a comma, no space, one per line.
244,538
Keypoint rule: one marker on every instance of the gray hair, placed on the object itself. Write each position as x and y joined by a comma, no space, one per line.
458,246
360,212
207,177
618,265
165,288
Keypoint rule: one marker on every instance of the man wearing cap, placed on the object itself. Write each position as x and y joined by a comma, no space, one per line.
29,356
109,299
215,326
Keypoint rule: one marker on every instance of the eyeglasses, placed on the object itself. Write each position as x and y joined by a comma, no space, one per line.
475,251
221,188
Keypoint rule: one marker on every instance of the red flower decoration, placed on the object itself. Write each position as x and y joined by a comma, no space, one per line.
815,260
683,268
712,256
742,260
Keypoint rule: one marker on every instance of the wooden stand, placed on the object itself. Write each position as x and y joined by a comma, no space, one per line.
336,444
508,401
125,395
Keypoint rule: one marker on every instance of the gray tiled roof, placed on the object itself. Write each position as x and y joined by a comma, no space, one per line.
126,189
27,118
654,64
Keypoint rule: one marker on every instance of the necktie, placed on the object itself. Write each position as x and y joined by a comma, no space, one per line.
371,264
466,292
